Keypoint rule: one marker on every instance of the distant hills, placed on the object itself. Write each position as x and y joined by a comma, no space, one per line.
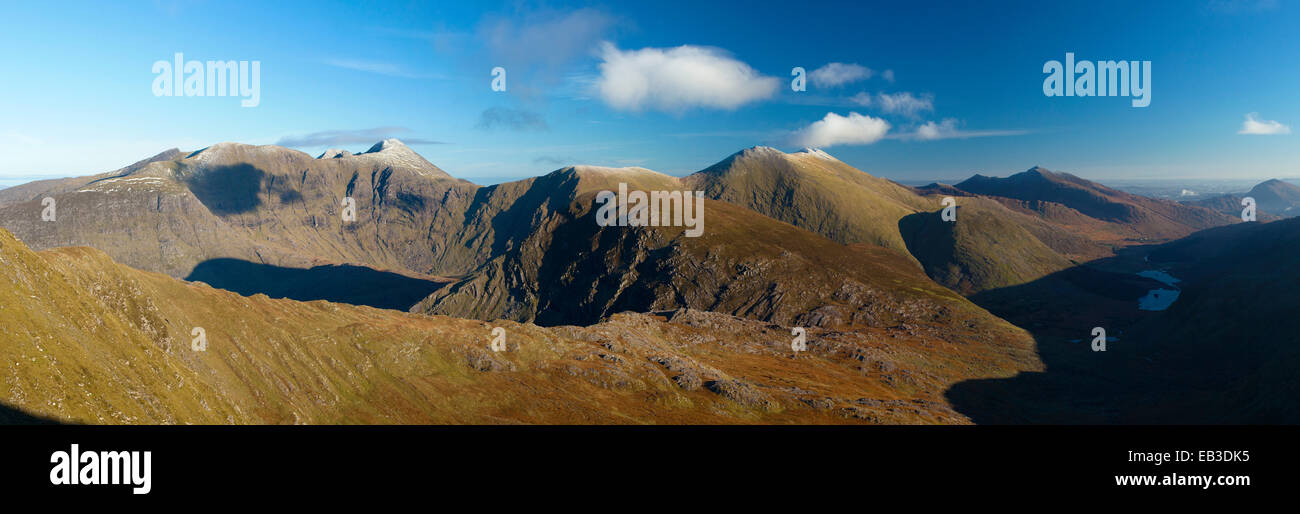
1147,218
1274,199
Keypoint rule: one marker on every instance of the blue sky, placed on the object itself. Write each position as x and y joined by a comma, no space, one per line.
610,84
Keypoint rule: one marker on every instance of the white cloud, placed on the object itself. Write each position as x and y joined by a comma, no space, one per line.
854,129
838,74
888,75
863,98
930,130
948,129
1255,126
677,79
904,103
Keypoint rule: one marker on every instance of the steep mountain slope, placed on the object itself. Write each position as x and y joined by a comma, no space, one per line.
233,207
88,340
1142,217
262,204
1234,330
574,271
812,190
273,211
995,246
988,247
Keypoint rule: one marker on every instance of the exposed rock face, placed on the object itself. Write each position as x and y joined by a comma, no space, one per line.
262,204
571,270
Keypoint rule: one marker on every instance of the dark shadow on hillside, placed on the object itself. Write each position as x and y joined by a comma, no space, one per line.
930,240
228,189
1224,352
356,285
14,416
1079,385
515,222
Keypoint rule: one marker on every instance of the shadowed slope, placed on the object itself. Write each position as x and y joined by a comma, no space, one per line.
356,285
1224,352
12,416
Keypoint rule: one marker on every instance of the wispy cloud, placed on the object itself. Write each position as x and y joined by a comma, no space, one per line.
513,119
949,128
837,74
904,103
551,160
1257,127
380,68
832,130
678,79
352,137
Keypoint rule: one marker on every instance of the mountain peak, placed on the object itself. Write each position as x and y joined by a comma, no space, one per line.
816,152
391,151
1276,196
334,153
391,143
760,150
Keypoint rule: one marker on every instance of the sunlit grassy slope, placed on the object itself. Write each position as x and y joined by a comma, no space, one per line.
87,340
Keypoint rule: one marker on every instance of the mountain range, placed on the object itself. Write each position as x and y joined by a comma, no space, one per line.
907,313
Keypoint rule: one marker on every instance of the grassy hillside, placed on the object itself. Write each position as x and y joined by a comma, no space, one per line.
991,245
88,340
